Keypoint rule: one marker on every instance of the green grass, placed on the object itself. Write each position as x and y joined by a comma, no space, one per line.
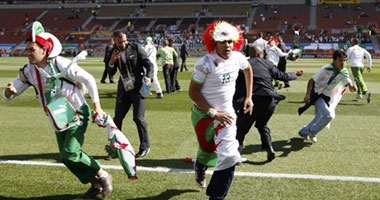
349,148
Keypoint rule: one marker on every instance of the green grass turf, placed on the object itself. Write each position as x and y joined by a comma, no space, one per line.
349,148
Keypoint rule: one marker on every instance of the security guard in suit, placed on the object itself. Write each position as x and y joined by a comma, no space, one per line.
264,97
134,67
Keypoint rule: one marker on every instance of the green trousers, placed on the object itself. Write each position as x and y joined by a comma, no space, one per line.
357,73
70,148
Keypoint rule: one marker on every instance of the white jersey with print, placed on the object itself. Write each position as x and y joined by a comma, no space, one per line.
71,91
218,76
274,53
322,78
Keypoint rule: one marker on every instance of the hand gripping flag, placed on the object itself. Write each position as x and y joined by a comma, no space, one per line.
118,145
294,54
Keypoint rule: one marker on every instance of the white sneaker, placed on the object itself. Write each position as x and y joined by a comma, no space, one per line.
359,96
243,160
106,183
368,97
312,138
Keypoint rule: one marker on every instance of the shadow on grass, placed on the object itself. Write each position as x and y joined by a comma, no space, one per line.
55,197
168,194
342,102
288,146
51,156
285,147
43,156
107,94
169,163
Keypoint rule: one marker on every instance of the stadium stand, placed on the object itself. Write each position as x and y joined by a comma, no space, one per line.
83,23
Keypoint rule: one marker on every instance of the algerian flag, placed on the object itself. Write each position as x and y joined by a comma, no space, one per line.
294,54
336,95
118,145
37,29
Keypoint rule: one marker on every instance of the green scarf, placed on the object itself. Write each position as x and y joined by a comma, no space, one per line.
342,71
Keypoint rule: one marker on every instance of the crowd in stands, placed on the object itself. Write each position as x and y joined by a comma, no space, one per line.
268,14
342,37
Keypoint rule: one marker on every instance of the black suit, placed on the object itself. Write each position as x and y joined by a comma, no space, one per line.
106,60
264,97
282,62
138,64
174,72
184,54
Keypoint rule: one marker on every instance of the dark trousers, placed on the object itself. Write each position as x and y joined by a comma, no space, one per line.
282,67
166,69
105,73
123,104
183,65
220,183
173,77
262,112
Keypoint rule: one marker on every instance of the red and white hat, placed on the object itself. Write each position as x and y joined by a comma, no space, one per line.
47,40
222,31
273,39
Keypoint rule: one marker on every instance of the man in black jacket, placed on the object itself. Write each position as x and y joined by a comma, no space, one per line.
264,97
282,62
131,61
107,70
173,74
184,54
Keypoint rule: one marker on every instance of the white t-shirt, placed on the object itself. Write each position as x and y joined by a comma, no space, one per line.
74,74
151,52
324,85
274,53
218,76
356,54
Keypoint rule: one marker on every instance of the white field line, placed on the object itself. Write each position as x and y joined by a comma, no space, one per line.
247,174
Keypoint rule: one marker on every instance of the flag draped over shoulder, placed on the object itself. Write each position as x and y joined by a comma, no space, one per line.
118,145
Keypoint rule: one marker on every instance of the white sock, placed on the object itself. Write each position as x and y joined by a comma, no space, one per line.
104,175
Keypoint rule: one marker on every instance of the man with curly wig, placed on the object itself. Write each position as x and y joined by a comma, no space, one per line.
212,88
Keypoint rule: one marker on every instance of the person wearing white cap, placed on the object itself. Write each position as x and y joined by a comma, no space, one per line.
212,88
151,52
60,85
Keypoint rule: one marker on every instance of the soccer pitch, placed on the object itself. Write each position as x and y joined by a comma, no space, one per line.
344,164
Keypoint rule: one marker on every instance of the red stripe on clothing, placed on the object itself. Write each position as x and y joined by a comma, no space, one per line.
200,129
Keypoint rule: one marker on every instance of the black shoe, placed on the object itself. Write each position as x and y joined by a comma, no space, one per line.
159,96
178,90
200,177
142,153
240,149
286,85
270,154
112,81
279,86
90,194
102,81
108,157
